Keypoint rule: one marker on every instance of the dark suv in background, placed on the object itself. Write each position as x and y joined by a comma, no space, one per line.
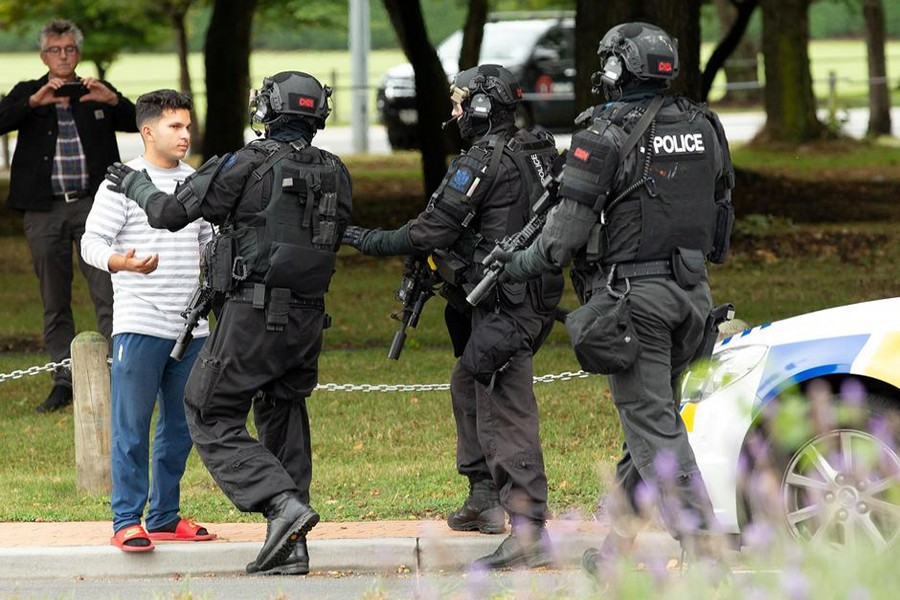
539,50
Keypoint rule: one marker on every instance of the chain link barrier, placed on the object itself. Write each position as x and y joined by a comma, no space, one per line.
328,387
49,368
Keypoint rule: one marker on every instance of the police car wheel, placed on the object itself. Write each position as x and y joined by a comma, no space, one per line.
839,484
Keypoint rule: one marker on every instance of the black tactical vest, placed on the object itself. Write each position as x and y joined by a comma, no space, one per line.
676,207
286,225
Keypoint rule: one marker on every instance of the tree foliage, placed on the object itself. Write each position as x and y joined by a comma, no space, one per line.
109,27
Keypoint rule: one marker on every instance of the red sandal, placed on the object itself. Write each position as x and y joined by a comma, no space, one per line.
127,534
185,531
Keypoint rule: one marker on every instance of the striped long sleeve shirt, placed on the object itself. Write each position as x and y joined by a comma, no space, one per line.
148,304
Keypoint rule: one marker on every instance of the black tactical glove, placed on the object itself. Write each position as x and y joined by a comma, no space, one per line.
353,236
122,178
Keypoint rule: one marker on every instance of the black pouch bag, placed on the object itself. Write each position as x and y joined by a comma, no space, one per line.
491,346
603,335
688,267
304,271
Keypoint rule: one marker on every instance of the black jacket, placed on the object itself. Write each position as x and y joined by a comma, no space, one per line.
32,163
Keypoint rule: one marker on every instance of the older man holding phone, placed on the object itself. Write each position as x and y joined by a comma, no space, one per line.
67,137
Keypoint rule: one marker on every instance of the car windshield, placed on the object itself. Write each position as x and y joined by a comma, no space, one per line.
504,42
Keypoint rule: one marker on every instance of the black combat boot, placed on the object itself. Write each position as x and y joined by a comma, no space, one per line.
481,510
613,548
59,398
296,564
289,520
527,546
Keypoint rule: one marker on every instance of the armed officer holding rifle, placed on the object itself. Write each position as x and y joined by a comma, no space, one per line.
485,196
645,202
281,206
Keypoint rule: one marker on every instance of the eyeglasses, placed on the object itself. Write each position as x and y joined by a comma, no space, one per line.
57,50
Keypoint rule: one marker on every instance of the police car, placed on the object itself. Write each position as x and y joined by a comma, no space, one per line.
796,424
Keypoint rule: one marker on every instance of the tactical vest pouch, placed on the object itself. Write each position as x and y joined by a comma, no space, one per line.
688,267
513,292
603,335
493,343
305,271
451,267
547,290
218,263
722,236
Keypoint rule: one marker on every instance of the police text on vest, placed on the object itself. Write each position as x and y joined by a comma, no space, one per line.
678,144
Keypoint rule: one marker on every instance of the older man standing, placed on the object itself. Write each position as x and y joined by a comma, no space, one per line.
67,137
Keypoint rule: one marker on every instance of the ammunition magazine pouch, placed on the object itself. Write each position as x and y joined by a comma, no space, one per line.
722,235
451,267
221,265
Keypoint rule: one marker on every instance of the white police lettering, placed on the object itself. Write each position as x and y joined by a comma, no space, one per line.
538,166
679,144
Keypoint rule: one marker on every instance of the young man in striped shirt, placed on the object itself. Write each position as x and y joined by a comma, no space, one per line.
154,273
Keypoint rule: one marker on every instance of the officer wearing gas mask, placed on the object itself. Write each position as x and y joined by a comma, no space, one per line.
281,206
486,195
645,202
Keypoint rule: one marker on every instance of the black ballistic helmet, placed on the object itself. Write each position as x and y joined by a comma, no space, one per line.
290,93
488,95
644,50
492,80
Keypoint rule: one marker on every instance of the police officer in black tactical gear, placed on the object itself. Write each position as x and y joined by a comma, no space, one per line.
281,206
486,195
645,202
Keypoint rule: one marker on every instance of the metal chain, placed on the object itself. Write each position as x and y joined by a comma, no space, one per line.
432,387
330,387
49,367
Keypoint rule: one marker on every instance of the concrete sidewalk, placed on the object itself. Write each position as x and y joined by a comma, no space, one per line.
65,550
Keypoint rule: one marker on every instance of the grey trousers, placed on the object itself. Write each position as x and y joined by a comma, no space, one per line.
657,460
498,426
51,236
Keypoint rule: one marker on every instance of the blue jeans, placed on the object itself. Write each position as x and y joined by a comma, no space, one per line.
143,373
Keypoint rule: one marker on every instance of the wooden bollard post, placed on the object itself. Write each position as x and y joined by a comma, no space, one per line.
91,389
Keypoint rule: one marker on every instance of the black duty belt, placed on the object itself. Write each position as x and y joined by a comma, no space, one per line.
259,295
638,270
70,197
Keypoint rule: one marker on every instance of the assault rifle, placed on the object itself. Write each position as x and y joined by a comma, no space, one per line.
416,288
199,307
522,239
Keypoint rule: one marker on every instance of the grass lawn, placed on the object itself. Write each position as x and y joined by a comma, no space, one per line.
391,455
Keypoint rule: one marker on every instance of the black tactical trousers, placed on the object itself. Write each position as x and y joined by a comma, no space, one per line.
669,323
497,426
239,359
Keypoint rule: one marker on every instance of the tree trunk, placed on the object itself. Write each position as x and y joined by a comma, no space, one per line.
432,98
681,20
879,96
473,32
227,60
592,20
789,100
736,53
177,13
